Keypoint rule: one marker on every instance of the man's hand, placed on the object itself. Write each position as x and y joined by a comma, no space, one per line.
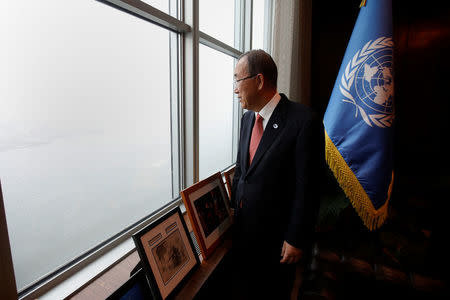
290,254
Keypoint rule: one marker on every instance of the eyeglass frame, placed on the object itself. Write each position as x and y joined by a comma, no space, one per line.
236,81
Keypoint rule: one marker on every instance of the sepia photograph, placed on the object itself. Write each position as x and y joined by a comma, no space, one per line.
170,256
167,253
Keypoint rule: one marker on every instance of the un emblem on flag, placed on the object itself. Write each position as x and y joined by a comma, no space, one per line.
368,83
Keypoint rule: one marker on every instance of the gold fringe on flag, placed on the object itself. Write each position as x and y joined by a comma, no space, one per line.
371,217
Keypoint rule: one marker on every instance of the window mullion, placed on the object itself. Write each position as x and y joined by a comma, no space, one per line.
190,101
175,96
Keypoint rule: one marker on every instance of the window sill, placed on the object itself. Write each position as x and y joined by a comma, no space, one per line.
105,275
81,275
89,274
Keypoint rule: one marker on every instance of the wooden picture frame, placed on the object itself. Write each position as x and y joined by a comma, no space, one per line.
167,253
209,211
229,174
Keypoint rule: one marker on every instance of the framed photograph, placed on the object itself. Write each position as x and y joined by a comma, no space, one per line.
229,174
167,253
208,208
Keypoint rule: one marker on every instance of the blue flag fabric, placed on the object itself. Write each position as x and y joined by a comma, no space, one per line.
359,118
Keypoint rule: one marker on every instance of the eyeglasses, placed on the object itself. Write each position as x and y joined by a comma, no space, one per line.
236,81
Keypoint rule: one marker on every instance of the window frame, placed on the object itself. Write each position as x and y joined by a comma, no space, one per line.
185,38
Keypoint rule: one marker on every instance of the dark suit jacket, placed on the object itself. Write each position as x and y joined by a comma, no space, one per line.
276,189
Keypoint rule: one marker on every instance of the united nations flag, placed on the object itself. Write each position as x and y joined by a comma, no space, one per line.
360,114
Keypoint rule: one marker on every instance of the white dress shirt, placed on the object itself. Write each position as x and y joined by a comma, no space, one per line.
268,109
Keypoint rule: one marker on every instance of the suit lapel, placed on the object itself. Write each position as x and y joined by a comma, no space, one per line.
271,132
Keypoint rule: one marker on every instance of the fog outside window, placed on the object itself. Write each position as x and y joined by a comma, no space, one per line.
84,127
215,111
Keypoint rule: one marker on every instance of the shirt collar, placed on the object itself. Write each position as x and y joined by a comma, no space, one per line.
268,109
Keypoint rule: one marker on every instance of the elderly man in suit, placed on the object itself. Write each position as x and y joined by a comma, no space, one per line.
274,176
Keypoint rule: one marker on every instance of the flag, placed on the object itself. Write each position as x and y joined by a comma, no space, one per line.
360,115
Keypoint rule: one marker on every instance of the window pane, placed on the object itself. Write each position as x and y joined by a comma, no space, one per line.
216,18
216,111
84,127
258,24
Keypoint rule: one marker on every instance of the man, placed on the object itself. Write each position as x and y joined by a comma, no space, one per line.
271,191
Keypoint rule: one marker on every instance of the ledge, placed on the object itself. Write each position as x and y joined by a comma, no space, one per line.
113,276
89,276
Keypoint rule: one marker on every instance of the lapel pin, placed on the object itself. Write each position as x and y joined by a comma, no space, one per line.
275,125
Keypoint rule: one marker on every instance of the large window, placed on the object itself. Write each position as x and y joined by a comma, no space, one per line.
85,128
215,111
261,21
98,110
216,18
258,24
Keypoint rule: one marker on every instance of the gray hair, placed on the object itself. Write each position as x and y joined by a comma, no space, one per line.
260,61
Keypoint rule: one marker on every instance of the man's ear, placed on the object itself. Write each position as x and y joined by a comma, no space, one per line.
260,81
